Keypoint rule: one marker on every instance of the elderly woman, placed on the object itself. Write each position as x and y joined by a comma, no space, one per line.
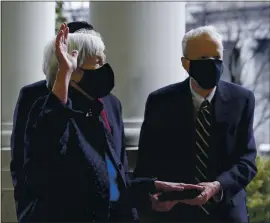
75,166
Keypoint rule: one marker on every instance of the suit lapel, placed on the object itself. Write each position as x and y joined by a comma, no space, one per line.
221,103
190,122
183,105
184,114
221,112
190,111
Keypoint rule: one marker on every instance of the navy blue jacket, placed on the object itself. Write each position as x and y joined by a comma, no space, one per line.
167,145
58,166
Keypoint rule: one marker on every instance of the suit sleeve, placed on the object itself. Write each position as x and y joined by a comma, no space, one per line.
45,138
17,142
138,191
139,188
144,167
243,169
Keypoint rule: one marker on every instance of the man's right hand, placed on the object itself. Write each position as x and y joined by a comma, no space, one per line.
164,206
67,63
162,186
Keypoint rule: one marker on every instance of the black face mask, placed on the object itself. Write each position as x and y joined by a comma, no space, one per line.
98,83
207,72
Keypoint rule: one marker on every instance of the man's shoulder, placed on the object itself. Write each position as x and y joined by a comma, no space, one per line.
236,91
170,90
31,92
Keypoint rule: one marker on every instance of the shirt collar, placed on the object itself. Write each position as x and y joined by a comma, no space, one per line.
198,99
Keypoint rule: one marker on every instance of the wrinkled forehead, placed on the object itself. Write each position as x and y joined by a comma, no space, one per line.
204,46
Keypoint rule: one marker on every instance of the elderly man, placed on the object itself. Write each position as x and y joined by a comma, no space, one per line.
69,161
200,131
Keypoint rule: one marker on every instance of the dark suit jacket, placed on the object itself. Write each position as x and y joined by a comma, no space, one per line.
27,97
167,143
58,166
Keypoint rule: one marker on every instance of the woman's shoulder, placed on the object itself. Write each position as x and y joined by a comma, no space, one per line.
35,88
113,106
113,98
29,94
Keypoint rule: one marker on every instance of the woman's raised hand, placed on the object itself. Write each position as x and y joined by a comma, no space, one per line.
67,62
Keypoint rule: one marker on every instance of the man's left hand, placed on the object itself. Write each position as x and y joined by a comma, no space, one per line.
161,206
162,186
210,190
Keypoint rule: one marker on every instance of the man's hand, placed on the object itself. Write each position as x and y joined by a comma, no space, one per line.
161,186
210,190
161,206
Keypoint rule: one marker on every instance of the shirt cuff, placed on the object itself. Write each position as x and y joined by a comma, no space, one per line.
219,196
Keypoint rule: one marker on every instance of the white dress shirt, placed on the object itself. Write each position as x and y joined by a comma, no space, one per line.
197,101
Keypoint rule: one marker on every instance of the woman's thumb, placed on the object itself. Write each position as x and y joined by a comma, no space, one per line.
74,53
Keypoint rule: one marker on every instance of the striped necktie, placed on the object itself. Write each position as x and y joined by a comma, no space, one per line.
203,148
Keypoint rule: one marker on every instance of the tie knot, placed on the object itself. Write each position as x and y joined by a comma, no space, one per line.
205,104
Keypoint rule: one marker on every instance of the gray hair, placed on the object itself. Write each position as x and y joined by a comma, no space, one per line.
87,42
203,30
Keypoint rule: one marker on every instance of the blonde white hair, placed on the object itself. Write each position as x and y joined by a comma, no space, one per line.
200,31
86,42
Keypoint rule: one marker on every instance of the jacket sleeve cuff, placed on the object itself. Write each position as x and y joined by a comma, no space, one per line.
53,103
55,111
145,185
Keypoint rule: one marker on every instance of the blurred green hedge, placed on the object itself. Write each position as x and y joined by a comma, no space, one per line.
258,192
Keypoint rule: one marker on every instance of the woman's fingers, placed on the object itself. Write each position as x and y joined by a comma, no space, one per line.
66,35
62,33
74,53
58,40
66,61
61,38
62,28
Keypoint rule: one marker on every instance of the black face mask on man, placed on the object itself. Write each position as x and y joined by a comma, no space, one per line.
206,72
98,83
